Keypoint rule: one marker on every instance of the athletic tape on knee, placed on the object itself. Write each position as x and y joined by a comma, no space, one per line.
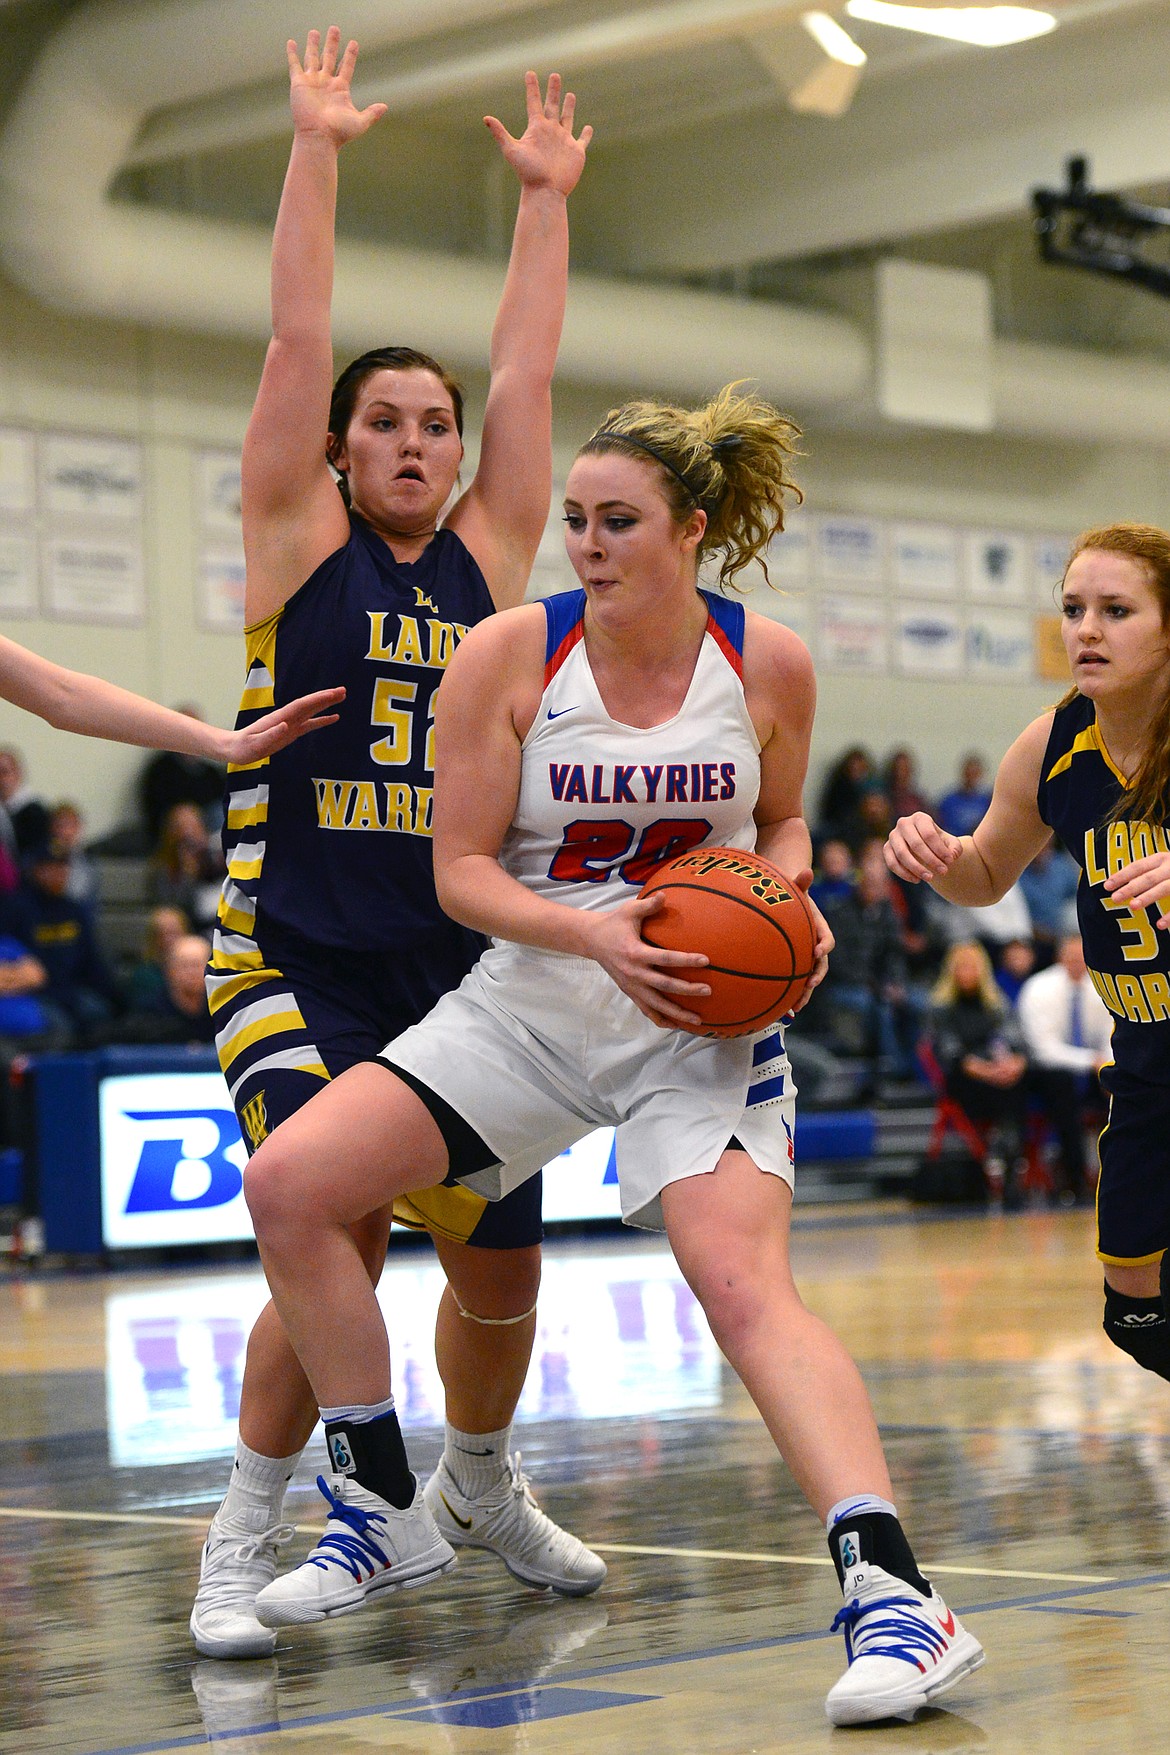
1139,1327
494,1321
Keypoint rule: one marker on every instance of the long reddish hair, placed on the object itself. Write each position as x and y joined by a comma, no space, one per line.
1147,798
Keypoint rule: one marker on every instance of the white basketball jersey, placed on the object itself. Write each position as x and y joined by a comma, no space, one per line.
602,804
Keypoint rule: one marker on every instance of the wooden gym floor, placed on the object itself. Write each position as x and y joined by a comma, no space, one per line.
1031,1464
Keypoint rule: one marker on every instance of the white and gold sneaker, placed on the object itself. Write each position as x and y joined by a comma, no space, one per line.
510,1523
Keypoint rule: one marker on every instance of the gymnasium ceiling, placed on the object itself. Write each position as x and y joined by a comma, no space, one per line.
702,175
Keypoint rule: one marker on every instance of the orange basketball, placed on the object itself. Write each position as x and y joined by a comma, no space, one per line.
750,920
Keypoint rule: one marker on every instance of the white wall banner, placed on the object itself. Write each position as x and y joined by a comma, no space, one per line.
1049,559
18,575
852,634
97,478
1000,646
220,598
94,578
924,559
789,555
996,565
928,639
18,486
850,550
217,491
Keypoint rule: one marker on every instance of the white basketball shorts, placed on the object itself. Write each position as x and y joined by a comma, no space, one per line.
535,1050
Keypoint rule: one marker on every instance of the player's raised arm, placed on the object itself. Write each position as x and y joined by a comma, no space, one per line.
293,514
502,515
975,870
72,701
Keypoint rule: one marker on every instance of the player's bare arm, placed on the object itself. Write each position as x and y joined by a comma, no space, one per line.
975,870
293,515
502,515
781,692
70,700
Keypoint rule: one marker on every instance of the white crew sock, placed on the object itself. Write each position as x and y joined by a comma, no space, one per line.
255,1496
477,1461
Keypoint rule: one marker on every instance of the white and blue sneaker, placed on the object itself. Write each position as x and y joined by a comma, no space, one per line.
369,1547
904,1649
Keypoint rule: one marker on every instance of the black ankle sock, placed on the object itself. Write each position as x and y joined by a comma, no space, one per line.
373,1454
877,1537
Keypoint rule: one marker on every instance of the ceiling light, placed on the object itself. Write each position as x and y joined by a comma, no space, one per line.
987,27
837,43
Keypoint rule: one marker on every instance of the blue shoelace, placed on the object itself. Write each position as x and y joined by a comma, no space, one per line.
896,1634
355,1553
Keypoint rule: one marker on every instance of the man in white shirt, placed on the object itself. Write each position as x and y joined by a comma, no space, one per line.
1068,1030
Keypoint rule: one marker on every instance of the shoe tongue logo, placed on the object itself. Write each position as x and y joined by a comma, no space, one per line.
341,1453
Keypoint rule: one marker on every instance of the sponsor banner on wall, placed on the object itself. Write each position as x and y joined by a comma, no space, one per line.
928,639
218,491
1049,559
1000,645
91,477
789,554
18,575
924,559
850,551
94,577
222,577
996,565
852,634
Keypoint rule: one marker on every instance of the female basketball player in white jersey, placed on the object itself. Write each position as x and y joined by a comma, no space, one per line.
580,740
1096,772
330,938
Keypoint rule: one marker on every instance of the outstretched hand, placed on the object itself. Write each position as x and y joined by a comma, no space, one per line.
282,726
918,850
319,91
546,156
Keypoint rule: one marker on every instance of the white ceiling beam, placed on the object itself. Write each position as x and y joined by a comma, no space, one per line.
952,143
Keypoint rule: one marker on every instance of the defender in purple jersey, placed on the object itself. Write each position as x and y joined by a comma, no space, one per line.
329,935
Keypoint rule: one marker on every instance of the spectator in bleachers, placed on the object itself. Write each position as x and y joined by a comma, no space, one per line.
841,793
833,877
187,869
1068,1031
1014,965
980,1050
59,932
67,830
169,779
962,809
867,978
27,1025
1050,889
26,813
182,1016
900,784
145,982
994,926
871,820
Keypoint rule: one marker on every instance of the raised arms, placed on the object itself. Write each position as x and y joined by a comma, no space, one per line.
293,515
502,515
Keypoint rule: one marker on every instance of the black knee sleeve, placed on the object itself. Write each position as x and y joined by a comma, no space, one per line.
1139,1327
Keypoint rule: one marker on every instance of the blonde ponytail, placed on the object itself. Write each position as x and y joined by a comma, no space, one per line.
730,458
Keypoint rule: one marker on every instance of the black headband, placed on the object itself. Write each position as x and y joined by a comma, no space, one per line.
719,450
